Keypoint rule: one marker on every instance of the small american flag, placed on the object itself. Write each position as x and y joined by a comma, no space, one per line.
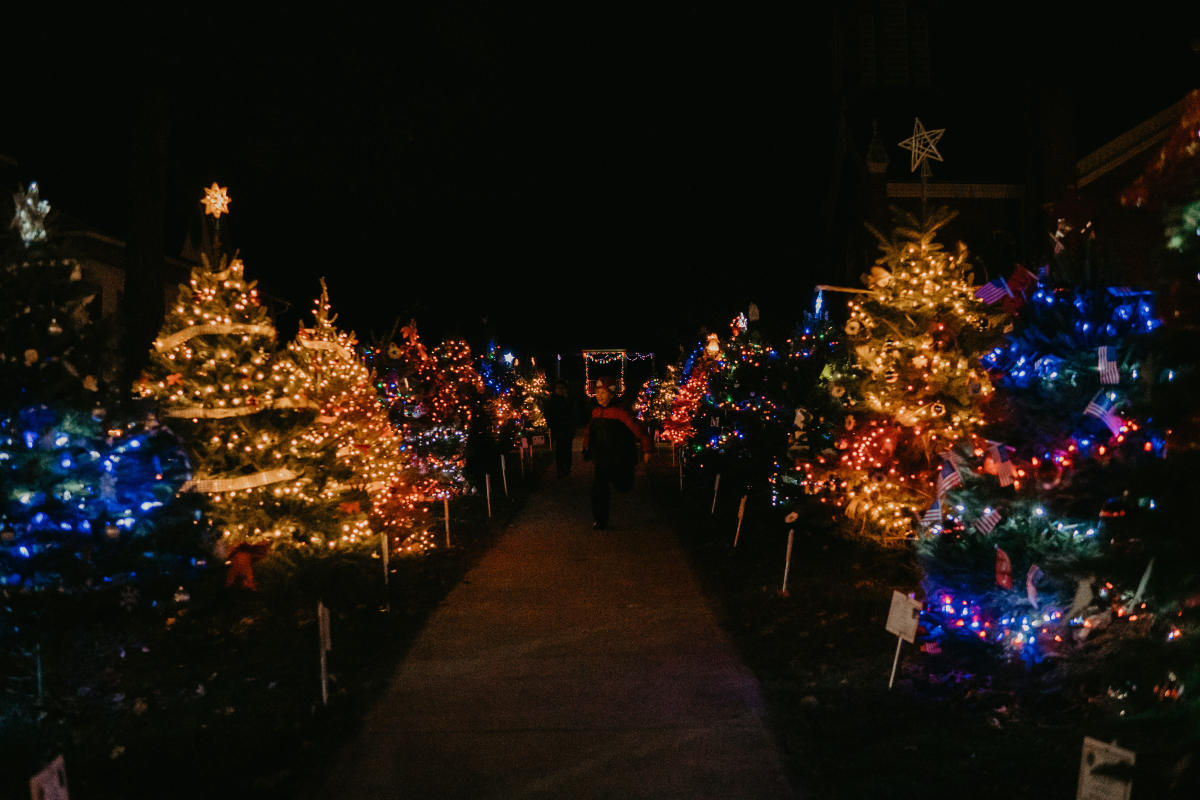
992,291
933,514
1106,359
948,478
1100,407
988,521
1004,466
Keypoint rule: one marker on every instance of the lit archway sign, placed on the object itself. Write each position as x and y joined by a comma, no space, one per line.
600,357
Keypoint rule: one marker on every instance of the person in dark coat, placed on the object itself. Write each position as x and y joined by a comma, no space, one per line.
610,442
560,416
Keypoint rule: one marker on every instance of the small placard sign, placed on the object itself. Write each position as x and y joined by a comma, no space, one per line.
539,440
50,783
903,616
1093,786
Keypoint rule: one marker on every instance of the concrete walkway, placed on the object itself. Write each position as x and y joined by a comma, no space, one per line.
570,663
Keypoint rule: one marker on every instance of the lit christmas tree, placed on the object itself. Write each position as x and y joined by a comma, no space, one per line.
655,398
911,384
503,403
212,372
741,420
427,395
681,425
534,392
80,471
375,488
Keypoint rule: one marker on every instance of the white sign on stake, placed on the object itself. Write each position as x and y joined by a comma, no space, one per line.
1097,754
902,621
51,782
325,644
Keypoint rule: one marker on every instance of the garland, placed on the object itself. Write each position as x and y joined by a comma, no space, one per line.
221,485
333,347
200,412
182,335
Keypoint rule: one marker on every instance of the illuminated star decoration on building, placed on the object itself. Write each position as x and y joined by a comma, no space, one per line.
30,216
923,144
216,200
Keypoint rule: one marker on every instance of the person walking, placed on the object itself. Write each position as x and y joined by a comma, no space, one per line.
560,416
610,442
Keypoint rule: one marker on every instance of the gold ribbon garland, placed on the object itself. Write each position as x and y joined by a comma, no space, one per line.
182,335
221,485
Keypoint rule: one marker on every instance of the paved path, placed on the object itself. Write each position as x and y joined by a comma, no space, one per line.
574,664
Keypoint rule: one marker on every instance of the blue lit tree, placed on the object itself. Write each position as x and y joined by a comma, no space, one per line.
81,470
1087,471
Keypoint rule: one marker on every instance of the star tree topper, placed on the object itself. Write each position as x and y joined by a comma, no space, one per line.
923,144
30,216
216,200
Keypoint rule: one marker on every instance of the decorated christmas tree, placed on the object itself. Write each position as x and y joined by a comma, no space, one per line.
213,372
534,392
375,486
428,395
80,470
683,423
741,420
910,384
653,402
503,404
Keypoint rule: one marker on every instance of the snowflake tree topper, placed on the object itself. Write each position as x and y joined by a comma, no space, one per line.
923,145
216,200
30,216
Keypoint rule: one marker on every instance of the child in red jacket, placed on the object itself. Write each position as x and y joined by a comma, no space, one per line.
610,442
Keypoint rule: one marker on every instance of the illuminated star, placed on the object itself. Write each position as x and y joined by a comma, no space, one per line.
923,144
216,200
30,218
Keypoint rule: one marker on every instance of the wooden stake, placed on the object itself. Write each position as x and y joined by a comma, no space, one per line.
383,544
504,473
446,511
787,562
324,645
487,479
37,654
741,513
895,661
716,485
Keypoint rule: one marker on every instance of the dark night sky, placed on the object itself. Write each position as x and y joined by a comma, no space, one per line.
591,177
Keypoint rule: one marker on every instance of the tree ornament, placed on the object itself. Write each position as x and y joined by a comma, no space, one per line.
849,422
938,409
89,383
878,278
31,357
1048,474
54,329
853,327
836,390
891,375
30,216
215,201
922,144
